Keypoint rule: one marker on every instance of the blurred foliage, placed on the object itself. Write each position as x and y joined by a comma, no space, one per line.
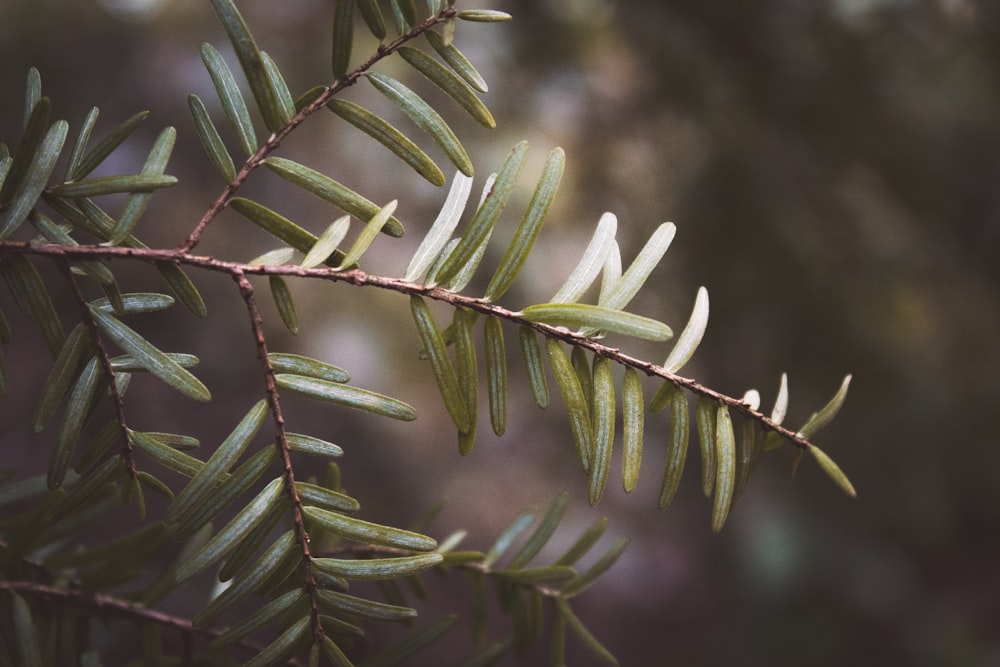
832,166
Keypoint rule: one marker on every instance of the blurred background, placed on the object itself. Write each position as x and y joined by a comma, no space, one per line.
832,168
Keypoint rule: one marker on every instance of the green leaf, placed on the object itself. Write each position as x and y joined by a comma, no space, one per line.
541,535
166,455
326,188
341,394
283,647
527,232
425,117
78,408
591,262
633,416
366,532
372,16
677,447
35,178
25,154
137,302
496,373
368,610
181,285
532,354
589,577
506,538
64,370
725,471
127,364
437,237
583,634
370,569
368,235
204,482
343,34
277,225
106,146
456,60
597,317
183,442
234,532
444,372
691,336
60,235
537,576
33,93
826,414
25,634
576,402
231,98
310,445
411,644
5,164
260,618
149,356
486,215
286,105
312,494
284,302
107,185
248,582
833,471
327,243
251,62
210,139
28,290
82,138
136,203
746,451
467,373
87,487
484,15
705,418
452,85
299,365
388,136
604,427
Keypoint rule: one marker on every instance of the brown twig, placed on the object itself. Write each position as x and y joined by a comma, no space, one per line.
272,143
113,605
362,279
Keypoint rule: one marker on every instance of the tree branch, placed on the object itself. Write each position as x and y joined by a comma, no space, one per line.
272,143
362,279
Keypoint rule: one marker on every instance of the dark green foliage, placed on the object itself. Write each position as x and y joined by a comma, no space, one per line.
290,596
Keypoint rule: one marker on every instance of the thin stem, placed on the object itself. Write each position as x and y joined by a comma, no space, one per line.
281,442
272,143
362,279
113,605
105,361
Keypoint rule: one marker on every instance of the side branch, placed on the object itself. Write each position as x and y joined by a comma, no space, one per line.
112,605
105,361
362,279
272,143
281,442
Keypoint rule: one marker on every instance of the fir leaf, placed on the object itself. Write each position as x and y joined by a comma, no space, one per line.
149,356
210,139
444,372
425,117
388,136
591,262
531,224
347,395
326,188
725,470
231,98
367,532
633,416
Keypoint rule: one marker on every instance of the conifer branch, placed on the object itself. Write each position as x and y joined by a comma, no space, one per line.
361,279
274,141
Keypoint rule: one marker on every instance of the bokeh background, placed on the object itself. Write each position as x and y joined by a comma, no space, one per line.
833,171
